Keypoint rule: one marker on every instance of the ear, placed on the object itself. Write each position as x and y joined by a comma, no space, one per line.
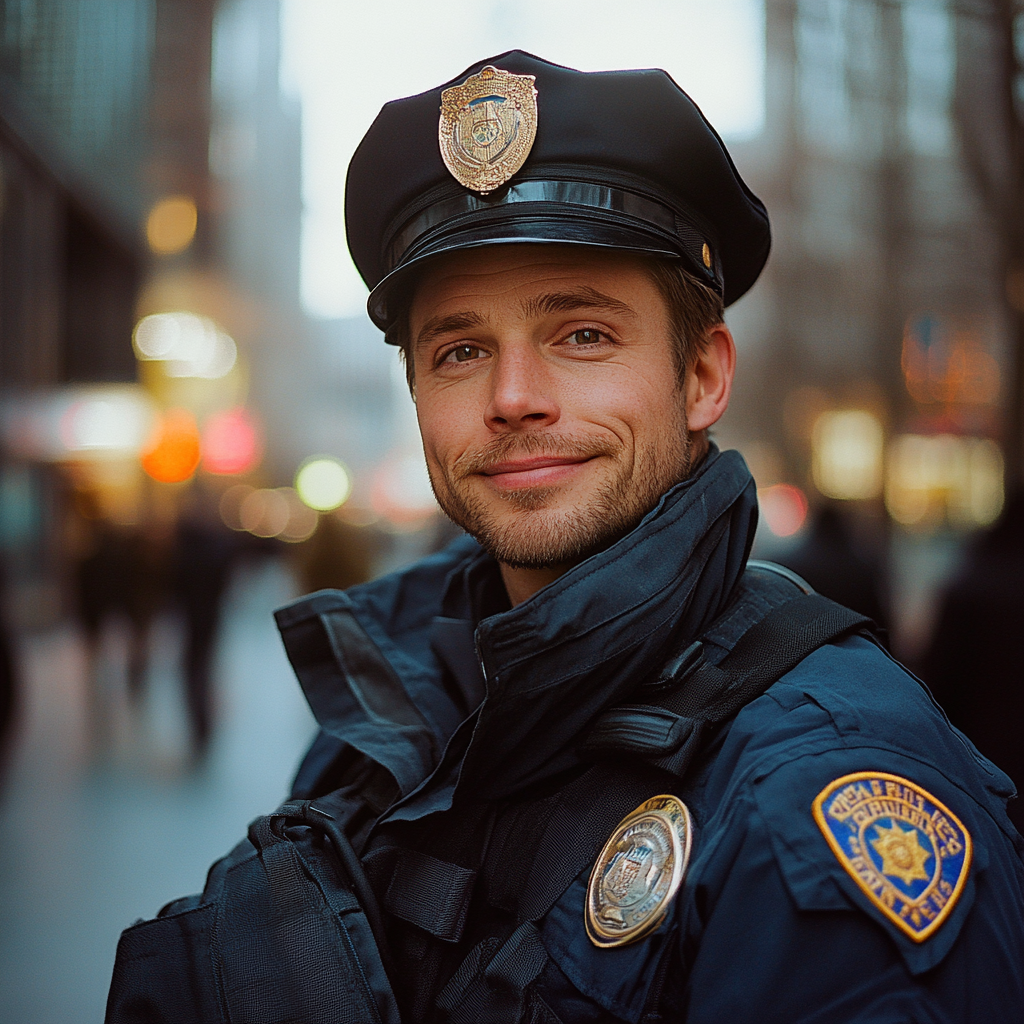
709,380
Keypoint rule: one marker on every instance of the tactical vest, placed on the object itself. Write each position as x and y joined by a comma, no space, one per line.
319,915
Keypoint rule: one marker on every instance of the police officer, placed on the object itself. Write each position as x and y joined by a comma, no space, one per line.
587,763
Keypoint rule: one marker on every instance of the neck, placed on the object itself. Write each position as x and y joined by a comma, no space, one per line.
522,584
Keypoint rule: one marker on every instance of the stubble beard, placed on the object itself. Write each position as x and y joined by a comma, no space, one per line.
531,534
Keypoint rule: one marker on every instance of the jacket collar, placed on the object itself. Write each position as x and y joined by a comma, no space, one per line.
552,663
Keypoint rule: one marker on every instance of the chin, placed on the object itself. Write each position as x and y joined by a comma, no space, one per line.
548,538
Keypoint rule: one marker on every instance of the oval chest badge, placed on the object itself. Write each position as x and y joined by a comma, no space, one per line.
638,872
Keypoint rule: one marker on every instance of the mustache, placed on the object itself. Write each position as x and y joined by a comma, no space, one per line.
505,447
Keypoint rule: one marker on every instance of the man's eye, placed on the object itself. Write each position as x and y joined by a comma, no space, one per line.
463,354
586,336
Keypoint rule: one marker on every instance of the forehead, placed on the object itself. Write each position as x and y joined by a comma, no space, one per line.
500,274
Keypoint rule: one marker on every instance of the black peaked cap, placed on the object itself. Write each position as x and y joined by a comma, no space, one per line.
621,159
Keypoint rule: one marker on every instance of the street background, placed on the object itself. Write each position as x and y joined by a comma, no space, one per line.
198,422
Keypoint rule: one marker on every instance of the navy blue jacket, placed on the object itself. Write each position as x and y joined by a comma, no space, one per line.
471,713
769,924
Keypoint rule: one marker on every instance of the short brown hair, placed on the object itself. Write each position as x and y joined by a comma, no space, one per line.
693,308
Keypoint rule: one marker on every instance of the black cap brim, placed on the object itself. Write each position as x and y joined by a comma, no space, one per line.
525,220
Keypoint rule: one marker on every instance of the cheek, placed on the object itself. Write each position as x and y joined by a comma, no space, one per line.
631,402
446,425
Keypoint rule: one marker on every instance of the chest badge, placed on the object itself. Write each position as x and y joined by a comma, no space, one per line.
638,872
907,851
487,127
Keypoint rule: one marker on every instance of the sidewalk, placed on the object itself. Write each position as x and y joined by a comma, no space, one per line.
88,844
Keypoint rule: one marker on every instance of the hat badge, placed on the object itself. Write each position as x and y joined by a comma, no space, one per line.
487,128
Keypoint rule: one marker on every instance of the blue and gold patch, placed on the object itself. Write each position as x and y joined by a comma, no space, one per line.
907,851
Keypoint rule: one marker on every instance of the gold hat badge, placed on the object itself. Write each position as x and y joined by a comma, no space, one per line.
487,127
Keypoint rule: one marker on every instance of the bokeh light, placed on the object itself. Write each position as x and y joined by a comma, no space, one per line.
231,442
268,512
783,508
938,479
171,225
189,345
231,505
846,449
108,422
323,483
264,513
302,520
173,455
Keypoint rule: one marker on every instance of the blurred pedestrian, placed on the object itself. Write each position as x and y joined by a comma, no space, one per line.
836,564
121,574
975,661
338,555
204,557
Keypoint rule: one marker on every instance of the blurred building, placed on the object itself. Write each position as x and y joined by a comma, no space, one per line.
320,387
880,243
873,347
104,109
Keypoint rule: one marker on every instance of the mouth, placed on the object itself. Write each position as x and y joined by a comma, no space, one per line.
539,471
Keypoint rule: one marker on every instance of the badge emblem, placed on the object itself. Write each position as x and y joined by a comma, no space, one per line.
638,872
907,851
487,127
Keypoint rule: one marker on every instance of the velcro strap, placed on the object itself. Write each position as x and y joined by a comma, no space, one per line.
642,729
431,894
519,960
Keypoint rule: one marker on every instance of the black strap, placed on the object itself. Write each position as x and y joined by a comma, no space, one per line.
490,985
430,893
693,695
765,653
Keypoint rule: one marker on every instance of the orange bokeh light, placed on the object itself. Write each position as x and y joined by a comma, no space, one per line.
231,443
173,454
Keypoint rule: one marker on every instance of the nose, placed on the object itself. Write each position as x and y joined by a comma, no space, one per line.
522,392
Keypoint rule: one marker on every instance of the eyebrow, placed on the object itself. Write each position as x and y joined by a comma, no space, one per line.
576,298
539,305
448,324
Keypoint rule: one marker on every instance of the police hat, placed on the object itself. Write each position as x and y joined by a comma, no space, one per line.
517,149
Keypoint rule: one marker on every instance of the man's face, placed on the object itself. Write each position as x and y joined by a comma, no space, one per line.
548,399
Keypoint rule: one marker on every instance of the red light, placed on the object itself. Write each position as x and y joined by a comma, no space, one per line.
174,453
784,508
231,443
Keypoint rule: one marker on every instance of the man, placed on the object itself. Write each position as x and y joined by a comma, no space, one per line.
586,764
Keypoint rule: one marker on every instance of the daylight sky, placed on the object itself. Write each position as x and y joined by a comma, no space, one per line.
345,58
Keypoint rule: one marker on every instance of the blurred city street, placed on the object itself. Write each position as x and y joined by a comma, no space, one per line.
199,421
91,841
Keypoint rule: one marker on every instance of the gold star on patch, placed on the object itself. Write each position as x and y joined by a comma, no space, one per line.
902,854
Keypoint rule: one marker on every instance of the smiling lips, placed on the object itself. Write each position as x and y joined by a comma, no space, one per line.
540,471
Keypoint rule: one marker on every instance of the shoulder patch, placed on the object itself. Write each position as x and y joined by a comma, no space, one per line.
907,851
